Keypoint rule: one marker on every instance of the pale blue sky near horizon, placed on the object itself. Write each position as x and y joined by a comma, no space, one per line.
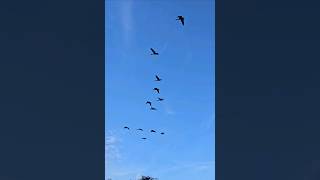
186,65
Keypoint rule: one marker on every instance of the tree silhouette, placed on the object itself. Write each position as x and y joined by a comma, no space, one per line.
147,178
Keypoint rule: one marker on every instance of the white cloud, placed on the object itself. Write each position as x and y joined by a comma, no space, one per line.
127,19
111,148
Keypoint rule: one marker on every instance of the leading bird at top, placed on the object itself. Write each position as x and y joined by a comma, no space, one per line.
181,18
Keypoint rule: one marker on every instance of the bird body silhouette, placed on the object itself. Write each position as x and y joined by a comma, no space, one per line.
157,89
143,138
152,130
126,127
160,99
181,18
148,102
157,78
140,129
162,133
154,52
152,108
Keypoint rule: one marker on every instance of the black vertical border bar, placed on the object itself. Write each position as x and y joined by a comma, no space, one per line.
52,90
267,90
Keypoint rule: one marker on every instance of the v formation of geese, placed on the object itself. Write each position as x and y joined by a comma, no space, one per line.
156,89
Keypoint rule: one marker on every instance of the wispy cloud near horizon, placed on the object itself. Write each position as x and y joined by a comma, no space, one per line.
127,20
111,148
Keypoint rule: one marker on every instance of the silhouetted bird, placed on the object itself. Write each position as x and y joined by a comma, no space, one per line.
148,102
152,108
143,138
126,127
152,131
157,89
154,52
181,18
160,99
140,129
157,78
162,133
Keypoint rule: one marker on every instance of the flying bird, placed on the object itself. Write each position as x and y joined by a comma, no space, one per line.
181,18
157,78
152,108
157,89
143,138
148,102
162,133
140,129
154,52
152,130
126,127
160,99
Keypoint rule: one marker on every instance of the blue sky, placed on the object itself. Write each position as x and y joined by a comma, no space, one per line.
186,65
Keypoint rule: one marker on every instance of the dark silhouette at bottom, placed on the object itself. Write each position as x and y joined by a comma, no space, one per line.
147,178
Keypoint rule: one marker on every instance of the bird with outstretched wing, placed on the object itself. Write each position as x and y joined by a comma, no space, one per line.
154,52
148,102
158,78
181,18
157,89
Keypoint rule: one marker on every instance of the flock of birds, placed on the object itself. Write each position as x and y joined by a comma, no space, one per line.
181,19
152,131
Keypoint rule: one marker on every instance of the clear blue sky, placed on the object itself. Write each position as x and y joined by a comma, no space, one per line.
186,65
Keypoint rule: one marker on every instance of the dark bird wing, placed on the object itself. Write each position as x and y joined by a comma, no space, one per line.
158,78
152,108
152,131
143,138
148,102
126,127
182,20
153,51
140,129
156,89
162,133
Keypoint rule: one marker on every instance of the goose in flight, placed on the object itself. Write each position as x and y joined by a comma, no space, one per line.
181,18
157,78
157,89
126,127
148,102
152,130
160,99
140,129
152,108
162,133
154,52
